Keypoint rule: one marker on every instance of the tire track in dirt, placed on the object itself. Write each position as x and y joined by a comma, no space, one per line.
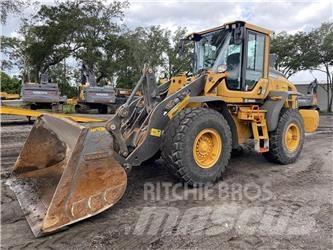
113,228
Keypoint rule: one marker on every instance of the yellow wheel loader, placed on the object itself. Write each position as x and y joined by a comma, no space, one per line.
67,172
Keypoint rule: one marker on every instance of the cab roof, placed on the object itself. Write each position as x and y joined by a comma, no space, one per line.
242,23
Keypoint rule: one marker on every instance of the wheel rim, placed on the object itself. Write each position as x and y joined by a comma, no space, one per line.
292,137
207,148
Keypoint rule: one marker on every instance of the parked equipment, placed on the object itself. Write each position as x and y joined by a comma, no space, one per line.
8,96
310,100
91,96
66,172
8,110
42,95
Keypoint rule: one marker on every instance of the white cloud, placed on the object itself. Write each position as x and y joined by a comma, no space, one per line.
197,15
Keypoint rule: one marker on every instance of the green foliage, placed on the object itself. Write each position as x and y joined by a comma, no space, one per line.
306,51
177,63
89,32
62,75
78,28
68,109
286,47
303,51
10,6
143,46
9,84
322,40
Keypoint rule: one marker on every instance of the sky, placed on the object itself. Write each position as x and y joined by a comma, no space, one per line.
290,16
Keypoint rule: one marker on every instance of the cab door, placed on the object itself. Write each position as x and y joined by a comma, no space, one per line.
254,67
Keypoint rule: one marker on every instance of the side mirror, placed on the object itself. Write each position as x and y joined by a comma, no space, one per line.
162,75
272,60
222,68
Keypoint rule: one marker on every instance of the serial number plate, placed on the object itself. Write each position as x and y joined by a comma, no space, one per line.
39,92
102,94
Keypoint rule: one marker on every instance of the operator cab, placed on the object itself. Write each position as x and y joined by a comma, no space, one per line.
238,48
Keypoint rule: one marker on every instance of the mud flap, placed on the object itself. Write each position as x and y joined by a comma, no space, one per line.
65,173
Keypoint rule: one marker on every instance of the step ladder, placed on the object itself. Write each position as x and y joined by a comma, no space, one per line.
260,135
256,117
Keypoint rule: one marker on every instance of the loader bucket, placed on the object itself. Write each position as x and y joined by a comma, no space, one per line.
65,173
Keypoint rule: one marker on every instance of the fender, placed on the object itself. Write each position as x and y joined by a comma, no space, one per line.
273,105
218,104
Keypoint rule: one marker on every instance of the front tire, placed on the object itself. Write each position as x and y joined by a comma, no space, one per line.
286,142
196,146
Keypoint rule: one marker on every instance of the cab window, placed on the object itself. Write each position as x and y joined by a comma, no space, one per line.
233,61
255,59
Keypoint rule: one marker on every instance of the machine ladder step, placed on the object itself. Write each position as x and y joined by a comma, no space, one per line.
260,136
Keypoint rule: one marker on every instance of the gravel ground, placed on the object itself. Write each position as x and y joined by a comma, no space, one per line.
258,205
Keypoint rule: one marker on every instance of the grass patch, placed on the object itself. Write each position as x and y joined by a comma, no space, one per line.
68,109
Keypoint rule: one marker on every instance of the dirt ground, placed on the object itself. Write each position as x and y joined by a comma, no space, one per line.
263,206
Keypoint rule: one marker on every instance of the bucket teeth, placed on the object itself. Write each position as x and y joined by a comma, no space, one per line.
65,173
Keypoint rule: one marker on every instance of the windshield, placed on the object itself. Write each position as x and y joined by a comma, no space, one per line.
211,49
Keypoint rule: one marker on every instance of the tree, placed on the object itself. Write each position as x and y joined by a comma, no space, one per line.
286,47
14,52
306,51
9,84
10,6
71,28
177,63
143,46
62,75
7,46
99,37
319,56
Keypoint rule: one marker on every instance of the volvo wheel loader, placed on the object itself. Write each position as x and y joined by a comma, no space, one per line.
66,172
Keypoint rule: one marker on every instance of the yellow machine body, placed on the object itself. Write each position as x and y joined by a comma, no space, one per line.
67,172
8,96
216,86
311,119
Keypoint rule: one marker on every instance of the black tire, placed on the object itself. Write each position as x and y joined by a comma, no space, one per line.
152,160
33,106
77,109
103,110
278,152
55,108
178,140
236,152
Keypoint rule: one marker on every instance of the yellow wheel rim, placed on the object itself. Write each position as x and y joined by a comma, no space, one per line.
292,137
207,148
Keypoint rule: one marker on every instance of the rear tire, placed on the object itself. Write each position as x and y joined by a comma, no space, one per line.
56,108
279,152
77,109
179,144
